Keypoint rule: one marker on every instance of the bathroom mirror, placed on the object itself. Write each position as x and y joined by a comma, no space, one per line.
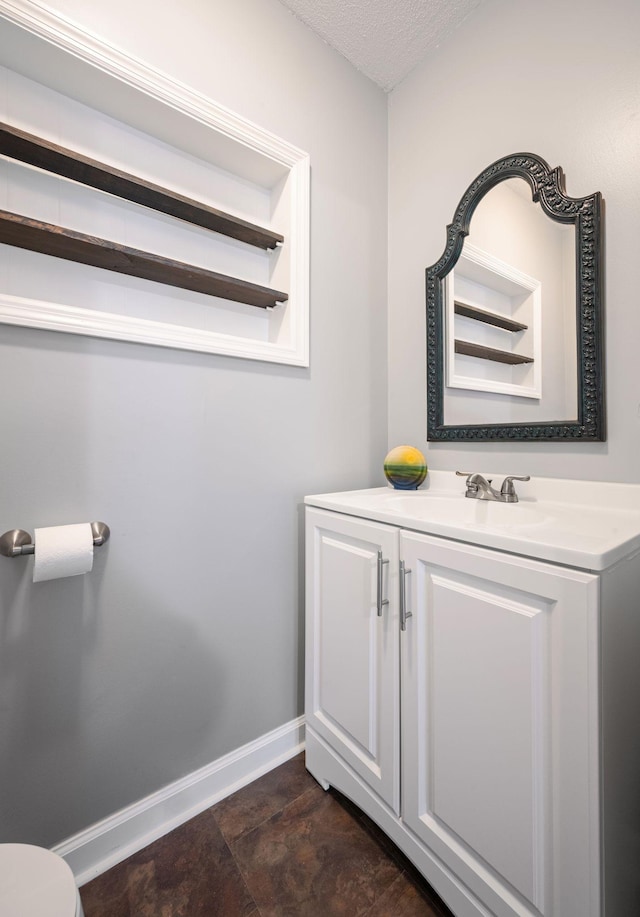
514,311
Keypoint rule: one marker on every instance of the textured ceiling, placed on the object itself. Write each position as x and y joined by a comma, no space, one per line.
385,39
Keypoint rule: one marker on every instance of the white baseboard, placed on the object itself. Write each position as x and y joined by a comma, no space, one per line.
101,846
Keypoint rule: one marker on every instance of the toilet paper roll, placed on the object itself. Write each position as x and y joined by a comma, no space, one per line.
62,550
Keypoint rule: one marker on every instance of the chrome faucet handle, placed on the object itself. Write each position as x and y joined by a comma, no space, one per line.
473,474
470,474
472,486
477,485
508,489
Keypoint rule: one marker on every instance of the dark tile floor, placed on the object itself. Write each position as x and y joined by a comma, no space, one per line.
280,847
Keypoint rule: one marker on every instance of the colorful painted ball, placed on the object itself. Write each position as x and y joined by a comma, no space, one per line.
405,467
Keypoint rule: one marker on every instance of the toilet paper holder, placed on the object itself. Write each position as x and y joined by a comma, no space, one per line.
16,542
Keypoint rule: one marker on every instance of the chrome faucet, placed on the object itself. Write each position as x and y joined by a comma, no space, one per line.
479,488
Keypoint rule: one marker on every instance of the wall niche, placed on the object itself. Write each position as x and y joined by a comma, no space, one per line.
134,208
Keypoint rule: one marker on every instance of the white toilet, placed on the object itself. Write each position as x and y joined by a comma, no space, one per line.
35,882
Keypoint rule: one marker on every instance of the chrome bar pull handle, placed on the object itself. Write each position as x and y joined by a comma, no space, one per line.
404,614
380,602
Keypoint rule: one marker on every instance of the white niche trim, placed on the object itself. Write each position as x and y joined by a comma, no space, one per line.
48,48
488,285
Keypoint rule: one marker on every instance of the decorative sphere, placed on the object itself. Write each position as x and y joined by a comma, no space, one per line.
405,467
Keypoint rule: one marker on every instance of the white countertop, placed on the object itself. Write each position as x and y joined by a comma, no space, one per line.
585,524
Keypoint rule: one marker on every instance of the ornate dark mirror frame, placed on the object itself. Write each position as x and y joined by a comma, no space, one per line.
547,186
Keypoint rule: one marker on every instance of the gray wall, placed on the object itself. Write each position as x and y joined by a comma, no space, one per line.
559,78
184,643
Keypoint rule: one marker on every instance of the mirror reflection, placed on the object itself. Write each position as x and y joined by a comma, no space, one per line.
511,315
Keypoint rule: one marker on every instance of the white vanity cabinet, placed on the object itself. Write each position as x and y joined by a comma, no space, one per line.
474,736
499,704
353,646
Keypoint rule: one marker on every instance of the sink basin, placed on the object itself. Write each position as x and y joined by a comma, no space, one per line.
458,510
578,523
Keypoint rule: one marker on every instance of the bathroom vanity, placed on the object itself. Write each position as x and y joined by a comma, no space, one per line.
473,685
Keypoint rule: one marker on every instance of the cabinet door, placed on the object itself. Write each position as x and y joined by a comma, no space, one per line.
353,653
500,725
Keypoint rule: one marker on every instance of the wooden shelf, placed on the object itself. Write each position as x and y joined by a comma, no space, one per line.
17,144
490,318
49,239
490,353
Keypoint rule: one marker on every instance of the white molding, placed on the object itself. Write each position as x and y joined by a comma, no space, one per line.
505,272
101,846
50,316
67,35
291,338
498,266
